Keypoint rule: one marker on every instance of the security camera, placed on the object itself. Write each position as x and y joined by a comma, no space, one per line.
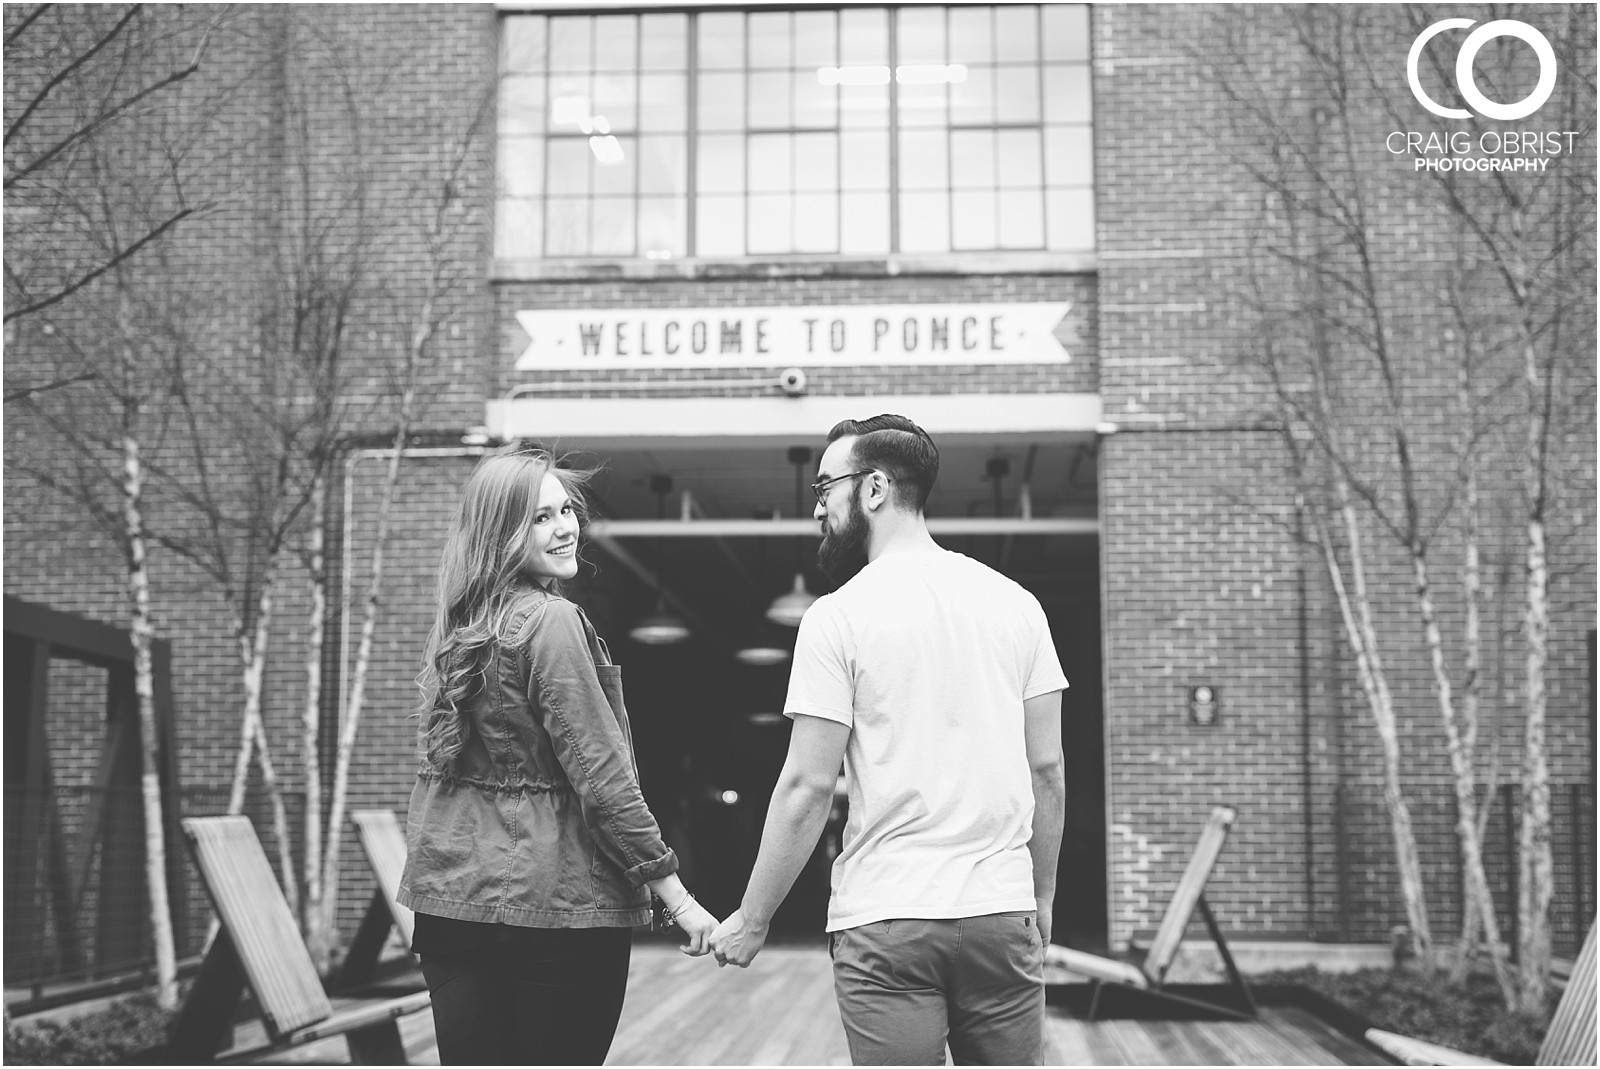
793,381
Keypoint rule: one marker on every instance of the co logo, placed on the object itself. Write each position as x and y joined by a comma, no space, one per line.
1469,52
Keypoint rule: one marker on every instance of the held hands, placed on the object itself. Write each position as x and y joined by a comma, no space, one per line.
737,941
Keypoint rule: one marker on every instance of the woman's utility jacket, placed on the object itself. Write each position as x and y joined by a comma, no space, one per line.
539,820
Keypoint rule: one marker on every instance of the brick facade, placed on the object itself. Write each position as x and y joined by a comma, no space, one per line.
1201,579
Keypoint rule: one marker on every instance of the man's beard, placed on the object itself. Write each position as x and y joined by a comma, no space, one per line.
844,553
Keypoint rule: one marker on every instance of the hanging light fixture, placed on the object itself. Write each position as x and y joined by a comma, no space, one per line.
766,647
788,608
660,628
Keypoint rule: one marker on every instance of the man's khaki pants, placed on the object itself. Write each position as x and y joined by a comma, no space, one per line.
907,987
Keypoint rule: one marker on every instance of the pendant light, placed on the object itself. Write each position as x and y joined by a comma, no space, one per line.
788,608
766,647
660,628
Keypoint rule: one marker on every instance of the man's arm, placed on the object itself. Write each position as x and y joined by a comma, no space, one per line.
1042,735
795,819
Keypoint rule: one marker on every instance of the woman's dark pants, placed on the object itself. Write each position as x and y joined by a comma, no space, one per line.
551,996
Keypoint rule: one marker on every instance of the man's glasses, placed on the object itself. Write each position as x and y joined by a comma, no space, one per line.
821,488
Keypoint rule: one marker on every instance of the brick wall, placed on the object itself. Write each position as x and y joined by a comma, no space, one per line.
1200,560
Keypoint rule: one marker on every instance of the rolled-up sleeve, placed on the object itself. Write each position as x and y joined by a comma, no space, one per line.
566,695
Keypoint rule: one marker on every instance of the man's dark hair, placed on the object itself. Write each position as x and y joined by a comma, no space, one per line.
897,447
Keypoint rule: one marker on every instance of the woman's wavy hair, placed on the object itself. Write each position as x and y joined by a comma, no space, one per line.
484,555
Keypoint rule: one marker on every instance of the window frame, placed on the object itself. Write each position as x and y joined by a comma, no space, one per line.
991,257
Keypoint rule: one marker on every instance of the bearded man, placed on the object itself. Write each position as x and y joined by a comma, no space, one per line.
934,679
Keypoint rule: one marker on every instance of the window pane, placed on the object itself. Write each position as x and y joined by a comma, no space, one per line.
522,44
521,166
816,40
771,163
925,222
719,165
1069,156
1067,96
663,165
616,43
663,227
1066,32
1071,216
664,42
921,33
566,226
924,163
1021,219
1016,34
972,159
769,39
815,104
721,40
971,35
769,99
570,43
864,105
1017,94
663,103
519,229
617,174
863,36
571,103
522,104
616,100
1018,160
816,161
569,166
973,220
769,223
972,100
922,105
719,226
721,103
864,222
816,222
612,220
865,160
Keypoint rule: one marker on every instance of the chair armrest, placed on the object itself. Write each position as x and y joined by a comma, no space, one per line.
1408,1051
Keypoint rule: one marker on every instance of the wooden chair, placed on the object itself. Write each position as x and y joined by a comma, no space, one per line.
258,945
1149,975
1570,1040
384,843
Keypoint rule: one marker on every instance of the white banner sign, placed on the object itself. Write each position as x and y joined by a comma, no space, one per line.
778,337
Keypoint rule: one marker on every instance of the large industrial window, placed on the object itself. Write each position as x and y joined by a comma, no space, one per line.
856,131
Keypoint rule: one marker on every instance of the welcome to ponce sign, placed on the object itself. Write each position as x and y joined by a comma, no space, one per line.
610,338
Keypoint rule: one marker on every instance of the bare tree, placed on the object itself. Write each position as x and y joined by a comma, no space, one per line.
82,87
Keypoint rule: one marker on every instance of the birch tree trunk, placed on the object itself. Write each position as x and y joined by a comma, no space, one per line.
155,847
311,720
253,740
1476,883
358,678
1356,612
1535,863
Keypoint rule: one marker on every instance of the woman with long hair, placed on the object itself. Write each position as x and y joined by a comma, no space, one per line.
530,852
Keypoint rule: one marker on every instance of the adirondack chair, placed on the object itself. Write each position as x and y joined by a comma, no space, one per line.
1149,975
258,945
385,846
1570,1040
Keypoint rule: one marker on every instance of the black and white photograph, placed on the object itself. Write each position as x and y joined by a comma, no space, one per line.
771,532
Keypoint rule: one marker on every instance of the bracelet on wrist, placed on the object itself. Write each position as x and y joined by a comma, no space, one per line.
672,913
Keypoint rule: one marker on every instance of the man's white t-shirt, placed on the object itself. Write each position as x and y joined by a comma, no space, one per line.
928,657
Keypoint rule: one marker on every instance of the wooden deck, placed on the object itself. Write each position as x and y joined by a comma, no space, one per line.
780,1011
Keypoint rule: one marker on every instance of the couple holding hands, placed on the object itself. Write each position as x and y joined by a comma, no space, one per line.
930,677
